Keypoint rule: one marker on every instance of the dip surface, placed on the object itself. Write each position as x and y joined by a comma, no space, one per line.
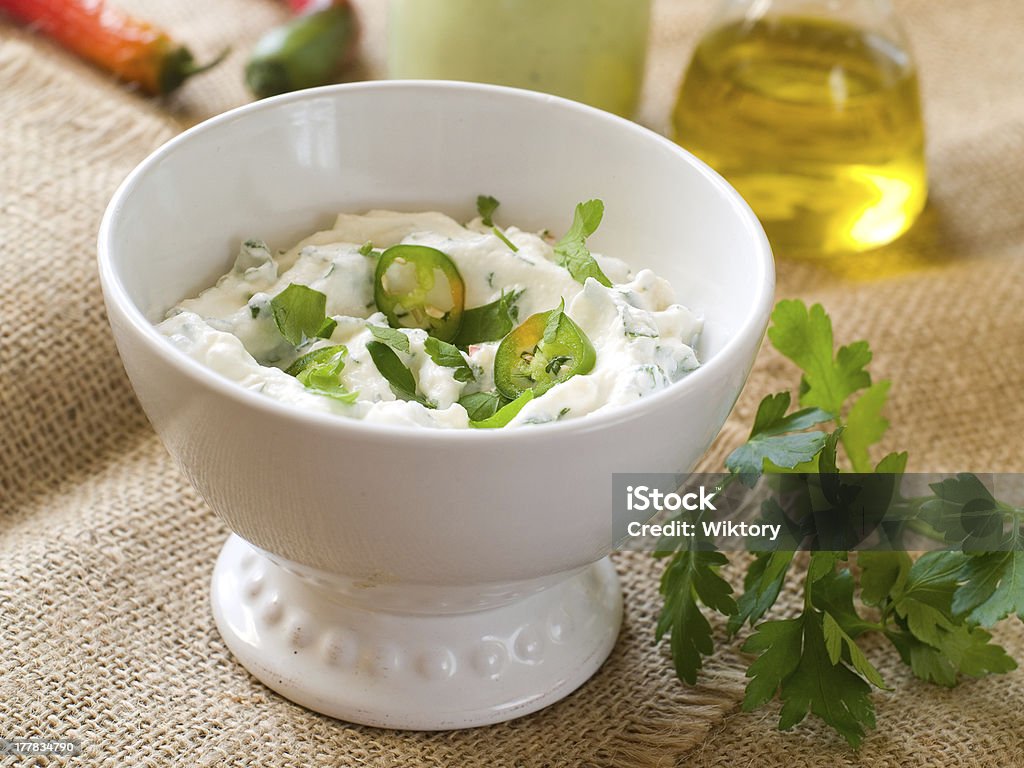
642,338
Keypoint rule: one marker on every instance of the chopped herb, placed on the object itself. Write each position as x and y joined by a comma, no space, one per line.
571,251
320,372
554,320
395,339
448,356
300,314
482,405
254,311
505,414
486,206
366,249
398,375
490,322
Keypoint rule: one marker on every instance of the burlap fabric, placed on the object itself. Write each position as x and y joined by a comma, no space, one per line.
106,552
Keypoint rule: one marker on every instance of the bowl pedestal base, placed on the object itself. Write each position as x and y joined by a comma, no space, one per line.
413,670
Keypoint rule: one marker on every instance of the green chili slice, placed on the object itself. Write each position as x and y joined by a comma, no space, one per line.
420,287
545,350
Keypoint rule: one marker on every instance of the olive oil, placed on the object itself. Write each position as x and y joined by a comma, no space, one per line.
816,123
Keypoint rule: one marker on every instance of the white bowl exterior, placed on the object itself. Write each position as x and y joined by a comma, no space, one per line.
399,506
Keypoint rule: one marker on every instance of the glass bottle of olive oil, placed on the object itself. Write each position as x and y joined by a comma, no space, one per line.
811,110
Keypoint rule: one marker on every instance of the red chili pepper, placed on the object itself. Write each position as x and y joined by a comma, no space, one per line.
301,7
131,49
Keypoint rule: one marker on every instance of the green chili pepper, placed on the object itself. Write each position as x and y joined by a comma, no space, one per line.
545,350
308,51
420,287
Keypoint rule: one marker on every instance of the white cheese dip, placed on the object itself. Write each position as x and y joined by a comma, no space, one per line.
643,339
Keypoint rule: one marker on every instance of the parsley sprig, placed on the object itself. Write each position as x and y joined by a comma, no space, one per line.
934,611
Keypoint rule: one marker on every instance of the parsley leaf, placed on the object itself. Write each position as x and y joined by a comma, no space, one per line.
571,251
993,588
300,314
489,322
805,337
963,650
482,405
796,661
553,322
505,414
320,372
882,573
930,610
448,356
692,575
761,587
398,375
778,438
394,338
486,206
865,425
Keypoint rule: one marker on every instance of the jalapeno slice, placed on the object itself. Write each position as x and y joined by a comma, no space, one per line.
545,350
420,287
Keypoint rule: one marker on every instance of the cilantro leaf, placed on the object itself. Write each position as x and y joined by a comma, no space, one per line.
805,337
320,372
571,251
392,337
778,438
448,356
692,574
865,425
795,661
489,322
481,405
398,375
486,206
300,314
505,414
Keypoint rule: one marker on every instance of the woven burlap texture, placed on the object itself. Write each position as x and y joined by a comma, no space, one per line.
105,630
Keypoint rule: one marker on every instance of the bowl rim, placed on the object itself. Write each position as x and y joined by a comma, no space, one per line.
753,324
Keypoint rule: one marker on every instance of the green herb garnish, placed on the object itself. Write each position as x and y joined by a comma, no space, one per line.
320,372
394,338
398,375
448,356
505,414
486,206
933,611
300,314
490,322
571,251
482,405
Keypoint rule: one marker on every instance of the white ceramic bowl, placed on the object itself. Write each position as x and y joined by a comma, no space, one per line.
389,569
